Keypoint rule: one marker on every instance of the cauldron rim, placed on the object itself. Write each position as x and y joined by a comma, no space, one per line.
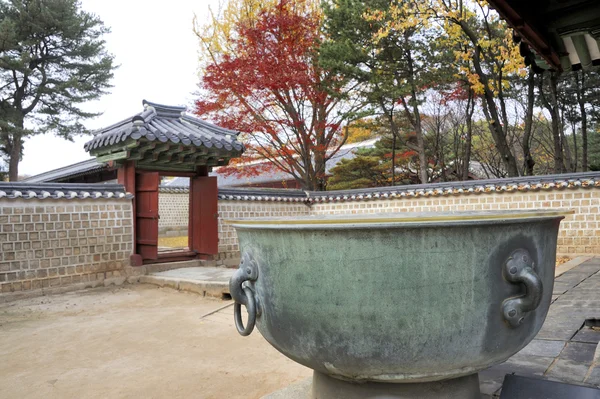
401,219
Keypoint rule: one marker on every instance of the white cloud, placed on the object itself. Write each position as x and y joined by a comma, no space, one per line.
157,51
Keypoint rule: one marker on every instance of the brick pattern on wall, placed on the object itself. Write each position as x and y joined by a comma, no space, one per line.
579,233
228,243
52,243
174,209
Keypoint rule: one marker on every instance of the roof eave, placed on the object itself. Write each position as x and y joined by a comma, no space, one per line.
541,43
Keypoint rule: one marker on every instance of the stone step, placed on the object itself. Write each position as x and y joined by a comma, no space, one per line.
206,281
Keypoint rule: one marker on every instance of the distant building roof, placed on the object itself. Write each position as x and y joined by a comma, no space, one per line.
77,169
164,135
347,151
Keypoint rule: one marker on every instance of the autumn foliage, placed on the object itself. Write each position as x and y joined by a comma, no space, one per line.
263,78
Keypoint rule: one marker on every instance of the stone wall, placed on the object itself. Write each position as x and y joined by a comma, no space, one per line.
229,251
54,236
579,233
58,242
173,208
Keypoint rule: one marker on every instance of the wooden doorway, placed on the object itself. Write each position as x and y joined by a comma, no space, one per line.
203,241
146,214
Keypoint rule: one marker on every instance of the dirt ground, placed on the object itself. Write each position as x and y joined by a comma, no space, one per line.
133,342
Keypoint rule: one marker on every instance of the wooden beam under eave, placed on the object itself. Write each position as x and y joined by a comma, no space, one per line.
179,156
164,158
189,158
115,156
148,147
167,156
185,155
212,161
223,162
145,152
166,167
193,159
159,149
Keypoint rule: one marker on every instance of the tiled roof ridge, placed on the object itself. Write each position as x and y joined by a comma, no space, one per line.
265,194
248,194
526,183
162,110
62,191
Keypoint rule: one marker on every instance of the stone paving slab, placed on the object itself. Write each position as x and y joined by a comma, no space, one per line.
565,267
587,335
211,281
220,274
564,350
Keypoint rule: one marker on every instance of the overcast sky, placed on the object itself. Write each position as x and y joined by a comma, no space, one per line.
156,49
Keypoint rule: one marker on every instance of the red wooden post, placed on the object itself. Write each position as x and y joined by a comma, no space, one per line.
204,215
126,177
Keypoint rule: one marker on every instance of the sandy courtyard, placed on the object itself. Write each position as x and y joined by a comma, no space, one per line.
133,342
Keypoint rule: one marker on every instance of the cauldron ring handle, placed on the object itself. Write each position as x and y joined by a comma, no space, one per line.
237,314
519,269
242,294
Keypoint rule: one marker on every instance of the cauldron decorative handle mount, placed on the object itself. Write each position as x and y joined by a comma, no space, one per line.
242,294
519,269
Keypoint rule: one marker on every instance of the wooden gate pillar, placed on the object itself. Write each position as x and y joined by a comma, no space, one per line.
126,177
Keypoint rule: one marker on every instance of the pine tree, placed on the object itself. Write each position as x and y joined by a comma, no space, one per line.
52,59
393,54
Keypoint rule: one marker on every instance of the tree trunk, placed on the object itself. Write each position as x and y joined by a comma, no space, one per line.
580,91
575,148
567,150
528,161
15,156
417,119
469,121
393,157
15,148
552,107
559,163
491,110
394,128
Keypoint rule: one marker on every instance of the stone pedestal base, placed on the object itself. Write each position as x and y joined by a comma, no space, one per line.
326,387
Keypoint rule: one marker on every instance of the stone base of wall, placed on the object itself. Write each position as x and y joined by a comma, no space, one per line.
116,279
173,231
128,275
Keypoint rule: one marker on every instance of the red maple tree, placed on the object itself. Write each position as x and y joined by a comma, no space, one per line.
272,88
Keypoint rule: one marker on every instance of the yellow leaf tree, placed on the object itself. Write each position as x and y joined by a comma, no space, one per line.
486,55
